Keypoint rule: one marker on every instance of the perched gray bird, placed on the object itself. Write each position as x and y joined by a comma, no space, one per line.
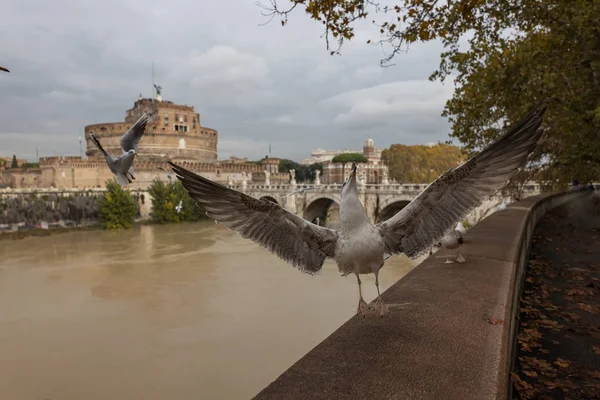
453,239
360,247
4,69
122,166
502,206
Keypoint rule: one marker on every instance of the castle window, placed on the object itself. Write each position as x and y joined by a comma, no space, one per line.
181,128
185,118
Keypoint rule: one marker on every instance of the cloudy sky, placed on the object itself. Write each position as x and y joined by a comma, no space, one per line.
75,63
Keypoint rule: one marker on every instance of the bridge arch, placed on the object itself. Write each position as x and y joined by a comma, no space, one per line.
324,207
269,198
390,209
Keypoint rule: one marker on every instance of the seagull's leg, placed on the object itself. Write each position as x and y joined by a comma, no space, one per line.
460,258
448,261
380,306
363,308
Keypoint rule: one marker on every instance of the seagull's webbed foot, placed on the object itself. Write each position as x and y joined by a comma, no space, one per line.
380,307
448,260
363,308
460,258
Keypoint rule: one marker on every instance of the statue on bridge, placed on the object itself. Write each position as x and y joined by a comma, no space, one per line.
267,178
244,180
292,176
385,180
362,180
317,177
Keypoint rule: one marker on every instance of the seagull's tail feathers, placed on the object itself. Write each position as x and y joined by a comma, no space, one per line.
122,180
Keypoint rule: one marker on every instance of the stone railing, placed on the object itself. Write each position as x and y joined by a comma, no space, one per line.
450,333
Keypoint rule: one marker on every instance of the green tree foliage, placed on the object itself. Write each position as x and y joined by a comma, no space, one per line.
519,52
166,197
14,162
417,164
310,171
30,165
349,158
117,207
304,173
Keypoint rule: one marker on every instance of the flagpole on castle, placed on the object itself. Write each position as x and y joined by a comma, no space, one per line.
80,146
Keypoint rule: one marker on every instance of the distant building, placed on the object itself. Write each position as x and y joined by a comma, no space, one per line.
374,169
6,162
173,134
322,156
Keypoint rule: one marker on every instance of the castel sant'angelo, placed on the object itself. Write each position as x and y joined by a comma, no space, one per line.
174,133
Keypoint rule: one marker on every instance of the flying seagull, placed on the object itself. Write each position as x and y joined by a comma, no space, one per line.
301,190
360,247
179,206
122,166
453,239
3,69
167,172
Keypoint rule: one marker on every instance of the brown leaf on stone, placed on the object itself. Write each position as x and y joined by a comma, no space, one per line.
495,321
561,362
519,383
531,374
595,374
587,307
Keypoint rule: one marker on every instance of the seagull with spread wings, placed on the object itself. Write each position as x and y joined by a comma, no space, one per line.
360,247
122,166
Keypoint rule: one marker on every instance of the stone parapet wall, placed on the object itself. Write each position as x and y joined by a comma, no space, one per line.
450,333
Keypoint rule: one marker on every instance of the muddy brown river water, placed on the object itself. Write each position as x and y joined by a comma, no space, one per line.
188,311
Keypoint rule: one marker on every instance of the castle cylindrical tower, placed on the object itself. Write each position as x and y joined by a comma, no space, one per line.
173,133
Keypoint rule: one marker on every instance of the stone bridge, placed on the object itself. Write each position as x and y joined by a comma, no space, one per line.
381,201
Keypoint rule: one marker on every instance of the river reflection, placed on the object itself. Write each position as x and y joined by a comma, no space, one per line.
188,311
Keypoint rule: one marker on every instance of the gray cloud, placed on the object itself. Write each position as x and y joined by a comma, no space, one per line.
77,63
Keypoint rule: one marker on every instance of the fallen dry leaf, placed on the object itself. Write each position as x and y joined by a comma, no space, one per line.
586,307
531,374
495,321
561,362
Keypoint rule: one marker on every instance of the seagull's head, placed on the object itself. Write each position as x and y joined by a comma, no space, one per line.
350,183
132,152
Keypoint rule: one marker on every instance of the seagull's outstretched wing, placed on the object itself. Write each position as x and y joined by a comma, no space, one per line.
131,138
295,240
99,146
4,69
423,222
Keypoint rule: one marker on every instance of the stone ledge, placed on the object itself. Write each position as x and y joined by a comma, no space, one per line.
437,342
